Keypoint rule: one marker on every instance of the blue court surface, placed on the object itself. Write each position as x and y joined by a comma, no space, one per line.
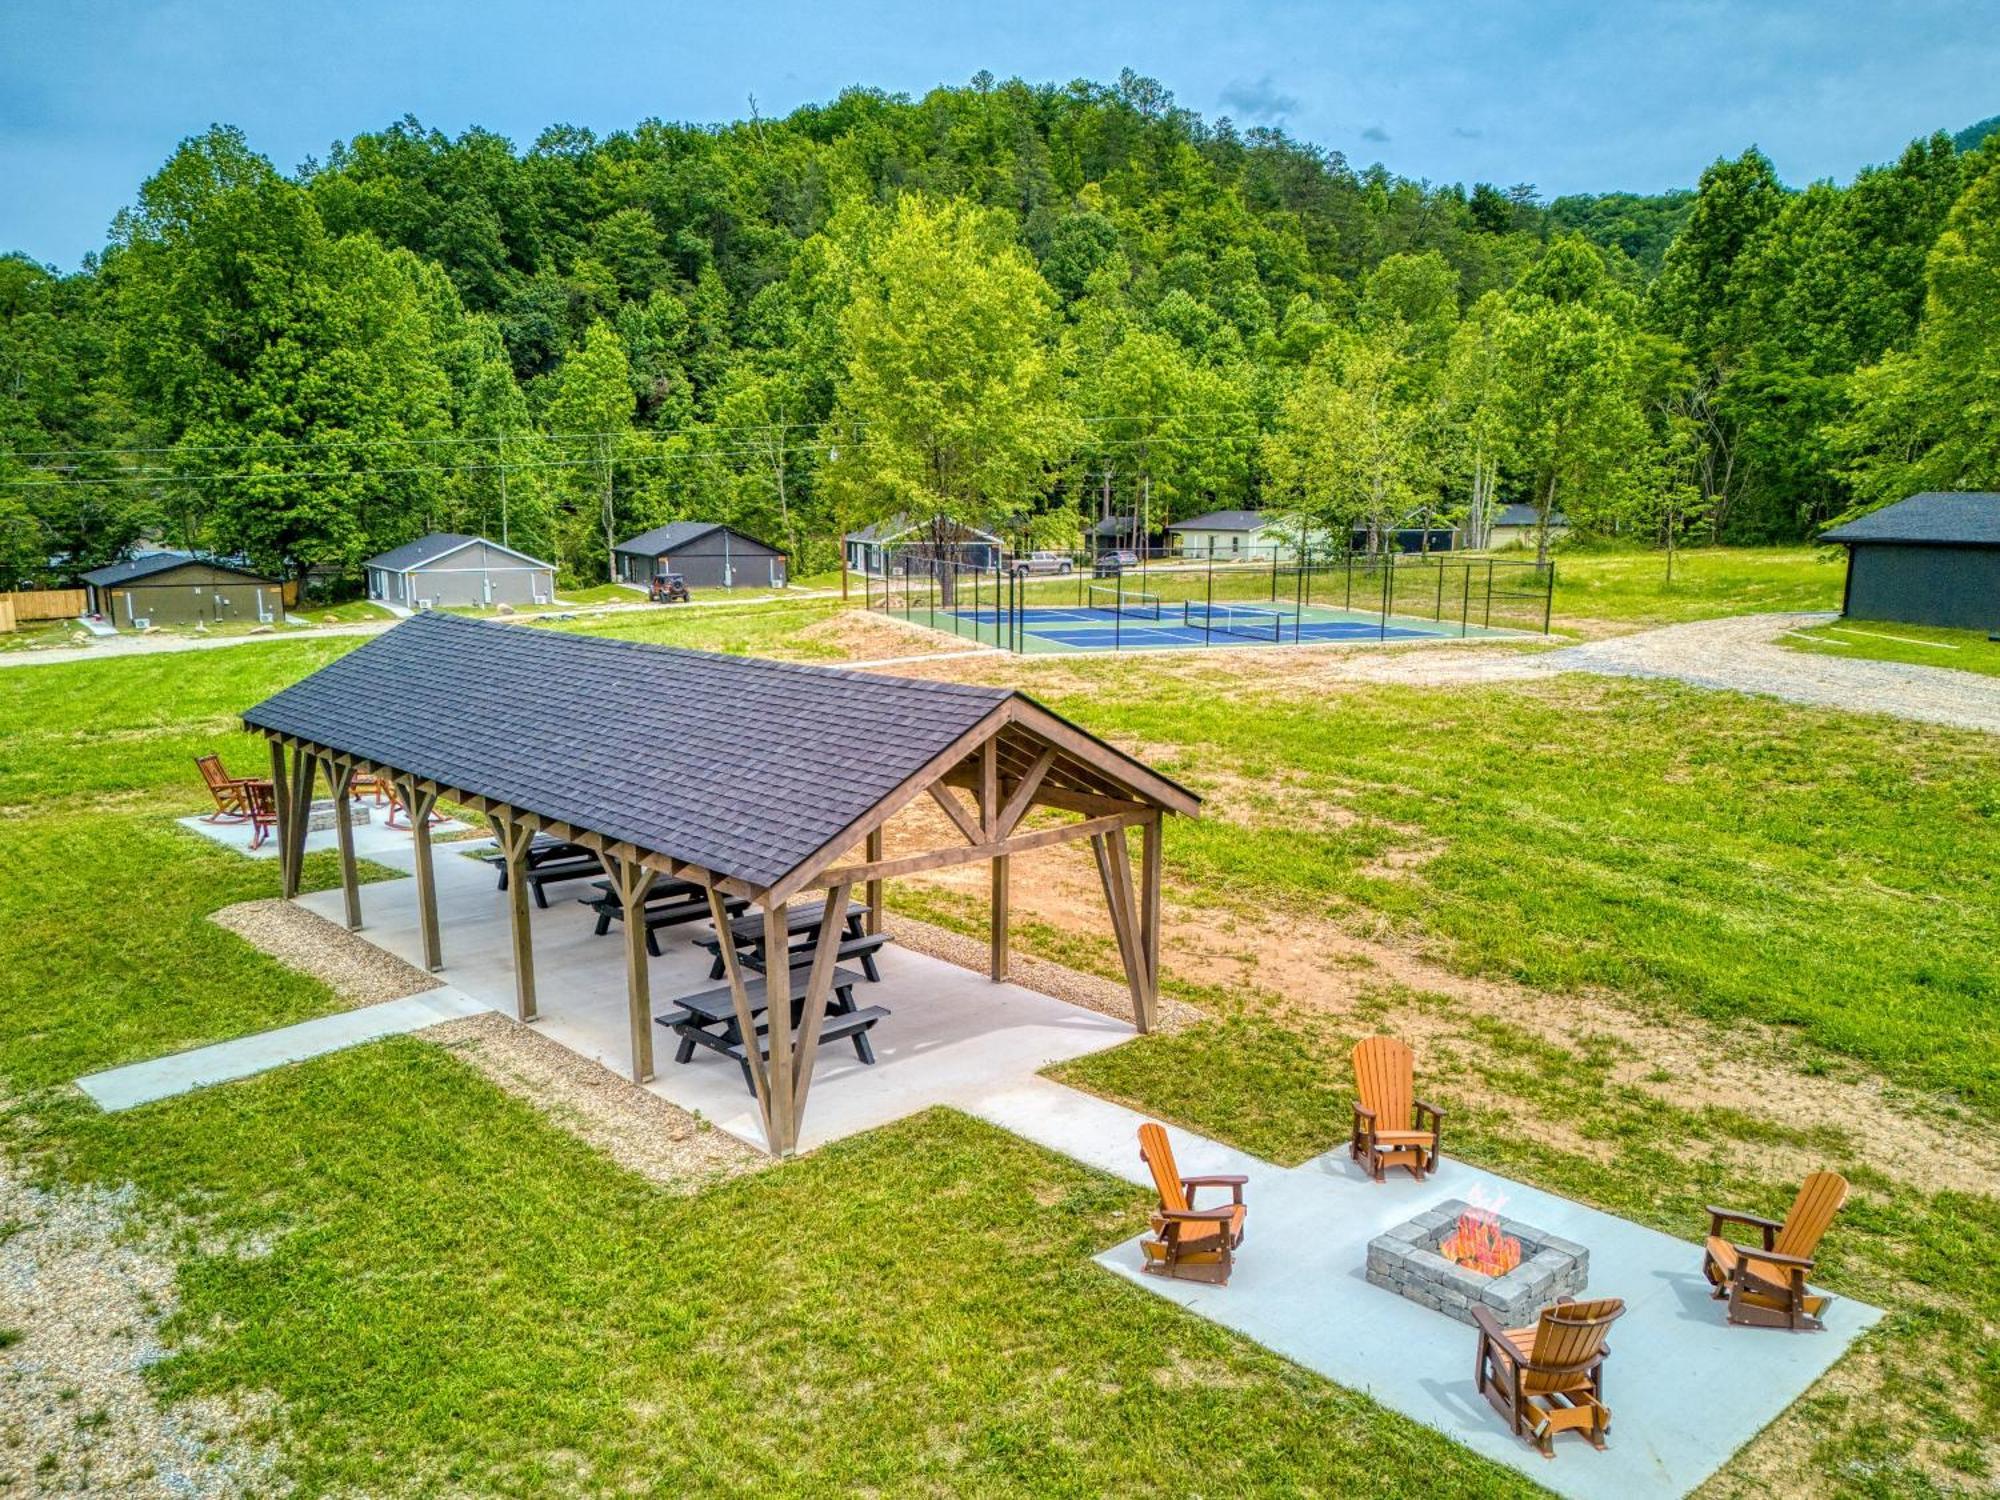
1177,626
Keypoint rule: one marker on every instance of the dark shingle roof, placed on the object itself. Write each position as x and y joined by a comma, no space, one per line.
429,548
742,766
1527,515
1940,517
678,534
146,564
1224,520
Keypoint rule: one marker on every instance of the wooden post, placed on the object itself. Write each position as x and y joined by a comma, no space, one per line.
1149,914
340,781
784,1132
1117,893
281,803
746,1025
305,766
516,837
819,984
873,851
998,916
630,880
418,804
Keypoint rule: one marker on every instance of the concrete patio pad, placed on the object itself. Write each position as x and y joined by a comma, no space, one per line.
952,1035
1686,1390
372,840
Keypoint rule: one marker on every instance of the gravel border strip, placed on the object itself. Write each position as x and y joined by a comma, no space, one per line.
349,965
1105,996
636,1128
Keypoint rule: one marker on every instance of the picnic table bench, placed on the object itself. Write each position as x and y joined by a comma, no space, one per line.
668,904
746,934
708,1019
550,861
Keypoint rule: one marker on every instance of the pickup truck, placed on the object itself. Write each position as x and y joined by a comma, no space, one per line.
1043,562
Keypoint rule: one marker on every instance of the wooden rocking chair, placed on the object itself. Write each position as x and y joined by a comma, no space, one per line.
1766,1288
393,794
230,803
1385,1109
1549,1378
260,806
1195,1244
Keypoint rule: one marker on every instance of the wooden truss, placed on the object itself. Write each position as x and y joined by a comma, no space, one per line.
1029,778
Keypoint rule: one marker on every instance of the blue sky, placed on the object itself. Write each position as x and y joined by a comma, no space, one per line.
1574,96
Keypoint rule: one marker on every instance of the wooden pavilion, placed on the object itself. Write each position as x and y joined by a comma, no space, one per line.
750,778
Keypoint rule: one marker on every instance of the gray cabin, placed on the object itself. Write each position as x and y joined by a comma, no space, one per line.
180,588
706,554
1933,559
445,570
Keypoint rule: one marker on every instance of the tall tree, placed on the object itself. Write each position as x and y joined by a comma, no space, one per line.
951,412
588,420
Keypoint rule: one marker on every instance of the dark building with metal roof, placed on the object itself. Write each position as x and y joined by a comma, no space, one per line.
706,554
181,588
1933,559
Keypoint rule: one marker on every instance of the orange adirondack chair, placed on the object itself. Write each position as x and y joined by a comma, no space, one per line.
230,805
1766,1287
1196,1244
1386,1108
1549,1378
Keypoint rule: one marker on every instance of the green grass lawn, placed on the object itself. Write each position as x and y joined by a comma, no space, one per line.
1630,588
449,1294
348,612
1920,645
769,629
1715,854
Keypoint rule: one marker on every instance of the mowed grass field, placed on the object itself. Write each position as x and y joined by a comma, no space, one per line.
1892,640
1601,590
449,1293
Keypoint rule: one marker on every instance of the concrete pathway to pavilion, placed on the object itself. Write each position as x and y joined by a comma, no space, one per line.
1685,1389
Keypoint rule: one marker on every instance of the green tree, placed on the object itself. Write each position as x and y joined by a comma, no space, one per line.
588,420
951,410
1344,455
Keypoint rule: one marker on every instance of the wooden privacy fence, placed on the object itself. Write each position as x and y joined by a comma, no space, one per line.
45,604
6,613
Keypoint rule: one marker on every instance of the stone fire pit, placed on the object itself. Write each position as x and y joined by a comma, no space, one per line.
1405,1260
321,817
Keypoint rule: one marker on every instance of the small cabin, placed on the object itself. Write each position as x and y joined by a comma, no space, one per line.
446,570
182,588
706,554
1933,559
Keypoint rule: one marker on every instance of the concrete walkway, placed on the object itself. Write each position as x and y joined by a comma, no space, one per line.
163,1077
1686,1389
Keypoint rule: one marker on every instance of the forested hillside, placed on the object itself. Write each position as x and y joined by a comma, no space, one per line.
1014,304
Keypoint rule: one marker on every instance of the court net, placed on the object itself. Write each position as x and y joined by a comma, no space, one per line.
1253,621
1133,604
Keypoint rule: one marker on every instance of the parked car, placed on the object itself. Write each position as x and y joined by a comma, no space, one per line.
668,588
1111,564
1043,562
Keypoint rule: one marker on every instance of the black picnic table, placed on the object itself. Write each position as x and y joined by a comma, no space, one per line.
550,861
746,934
668,903
708,1019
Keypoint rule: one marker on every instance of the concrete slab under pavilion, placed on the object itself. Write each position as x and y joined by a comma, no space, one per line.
952,1037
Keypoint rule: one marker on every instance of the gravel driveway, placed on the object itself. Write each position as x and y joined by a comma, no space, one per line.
1742,654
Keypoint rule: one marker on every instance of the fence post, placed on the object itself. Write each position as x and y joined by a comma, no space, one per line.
1465,606
1118,613
1439,614
1549,599
1208,614
1348,602
1388,592
1274,574
1487,623
1299,598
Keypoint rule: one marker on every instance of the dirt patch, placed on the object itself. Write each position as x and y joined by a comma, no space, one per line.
862,635
354,969
85,1285
1106,997
635,1128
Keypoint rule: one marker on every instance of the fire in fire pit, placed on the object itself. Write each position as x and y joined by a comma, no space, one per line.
1459,1254
1478,1244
